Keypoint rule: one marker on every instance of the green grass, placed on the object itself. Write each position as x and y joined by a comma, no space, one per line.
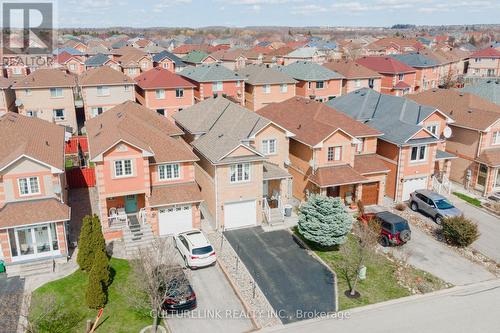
68,163
381,282
472,201
118,315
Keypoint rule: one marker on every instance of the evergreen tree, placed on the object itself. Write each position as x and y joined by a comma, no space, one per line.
101,266
95,295
97,237
324,220
85,244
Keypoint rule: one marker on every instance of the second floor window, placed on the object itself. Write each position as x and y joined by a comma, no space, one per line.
496,138
418,153
58,114
160,94
217,86
28,186
371,83
266,88
56,92
401,77
169,171
165,65
284,87
433,128
360,145
240,173
132,71
123,168
27,92
103,91
320,84
334,154
269,147
179,92
357,83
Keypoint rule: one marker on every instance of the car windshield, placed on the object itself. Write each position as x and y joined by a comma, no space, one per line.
400,226
203,250
443,204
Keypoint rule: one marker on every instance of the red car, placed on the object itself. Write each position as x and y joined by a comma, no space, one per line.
394,229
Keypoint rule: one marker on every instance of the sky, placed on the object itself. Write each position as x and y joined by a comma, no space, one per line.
239,13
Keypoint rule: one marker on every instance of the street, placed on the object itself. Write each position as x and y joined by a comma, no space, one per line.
471,309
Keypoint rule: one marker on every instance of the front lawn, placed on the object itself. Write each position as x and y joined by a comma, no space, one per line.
117,317
384,279
471,200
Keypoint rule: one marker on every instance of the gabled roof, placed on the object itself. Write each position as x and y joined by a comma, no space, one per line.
167,55
159,78
69,50
186,48
415,60
64,57
130,54
210,73
46,78
31,137
336,175
103,75
488,89
33,211
195,57
351,69
228,55
140,127
261,74
397,117
312,122
224,126
468,110
303,53
490,157
97,60
385,65
489,52
308,71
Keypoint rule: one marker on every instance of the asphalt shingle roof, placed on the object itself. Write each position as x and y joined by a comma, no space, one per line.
415,60
210,73
195,57
97,60
309,71
165,54
487,89
261,74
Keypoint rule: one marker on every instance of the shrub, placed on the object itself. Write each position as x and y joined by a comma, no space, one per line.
324,221
400,206
85,244
459,231
95,295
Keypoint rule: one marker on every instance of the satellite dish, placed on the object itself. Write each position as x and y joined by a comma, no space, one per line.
447,132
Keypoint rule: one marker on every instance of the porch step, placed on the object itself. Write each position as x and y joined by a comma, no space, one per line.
137,236
31,268
275,216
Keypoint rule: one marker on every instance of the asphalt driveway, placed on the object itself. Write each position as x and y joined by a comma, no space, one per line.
295,284
11,297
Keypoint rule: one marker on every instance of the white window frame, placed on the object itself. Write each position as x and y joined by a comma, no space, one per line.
360,146
179,93
238,84
323,84
165,65
103,91
335,152
127,87
241,173
430,126
72,67
495,138
29,186
132,71
173,168
283,88
217,86
160,93
123,168
267,144
357,83
266,88
59,118
17,71
418,159
144,65
56,92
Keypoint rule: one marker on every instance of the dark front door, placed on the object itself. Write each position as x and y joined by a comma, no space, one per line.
333,191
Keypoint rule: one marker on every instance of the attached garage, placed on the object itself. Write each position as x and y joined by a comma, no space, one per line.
369,195
413,184
175,219
240,214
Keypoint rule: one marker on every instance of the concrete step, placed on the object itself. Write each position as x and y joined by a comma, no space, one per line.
31,268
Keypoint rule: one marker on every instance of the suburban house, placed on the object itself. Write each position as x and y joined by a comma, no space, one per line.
412,145
198,58
163,91
15,66
264,86
242,167
7,95
392,45
475,140
232,59
485,63
311,54
73,64
314,81
133,61
34,215
76,45
427,70
102,88
182,50
215,79
169,61
101,59
397,78
488,89
144,172
48,94
355,75
331,153
452,64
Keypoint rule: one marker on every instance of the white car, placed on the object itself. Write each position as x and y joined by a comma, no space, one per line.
195,249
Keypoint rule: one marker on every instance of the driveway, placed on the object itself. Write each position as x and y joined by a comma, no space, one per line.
292,280
11,297
215,299
489,226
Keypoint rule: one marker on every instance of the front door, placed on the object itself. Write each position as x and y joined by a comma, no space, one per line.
131,203
333,191
481,176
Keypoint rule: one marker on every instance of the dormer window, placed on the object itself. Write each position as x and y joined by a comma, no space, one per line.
102,91
56,92
28,186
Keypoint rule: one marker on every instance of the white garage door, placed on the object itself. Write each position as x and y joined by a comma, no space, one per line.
175,219
240,214
410,185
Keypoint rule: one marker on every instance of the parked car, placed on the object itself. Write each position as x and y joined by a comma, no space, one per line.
180,296
195,249
433,204
394,229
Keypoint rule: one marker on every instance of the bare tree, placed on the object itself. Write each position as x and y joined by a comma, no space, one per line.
156,274
356,252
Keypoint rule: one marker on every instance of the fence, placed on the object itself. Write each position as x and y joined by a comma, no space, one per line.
80,177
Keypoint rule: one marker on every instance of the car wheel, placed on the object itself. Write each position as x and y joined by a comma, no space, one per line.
438,219
405,236
384,241
414,207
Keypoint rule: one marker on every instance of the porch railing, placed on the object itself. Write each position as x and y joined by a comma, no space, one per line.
267,210
441,186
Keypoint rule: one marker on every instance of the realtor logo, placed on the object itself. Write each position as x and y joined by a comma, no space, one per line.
27,27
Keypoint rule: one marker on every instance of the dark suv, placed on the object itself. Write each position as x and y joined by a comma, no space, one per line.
394,229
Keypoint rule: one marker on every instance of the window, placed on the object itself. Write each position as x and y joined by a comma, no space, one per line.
357,83
401,77
360,145
56,92
123,168
127,87
418,153
16,71
27,92
266,88
179,92
96,111
165,65
238,84
169,171
28,186
269,147
30,113
161,111
102,91
284,88
217,86
160,94
72,67
371,83
496,138
144,65
132,71
58,114
320,84
334,153
433,128
309,84
240,173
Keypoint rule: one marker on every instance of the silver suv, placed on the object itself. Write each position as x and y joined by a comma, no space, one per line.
433,204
